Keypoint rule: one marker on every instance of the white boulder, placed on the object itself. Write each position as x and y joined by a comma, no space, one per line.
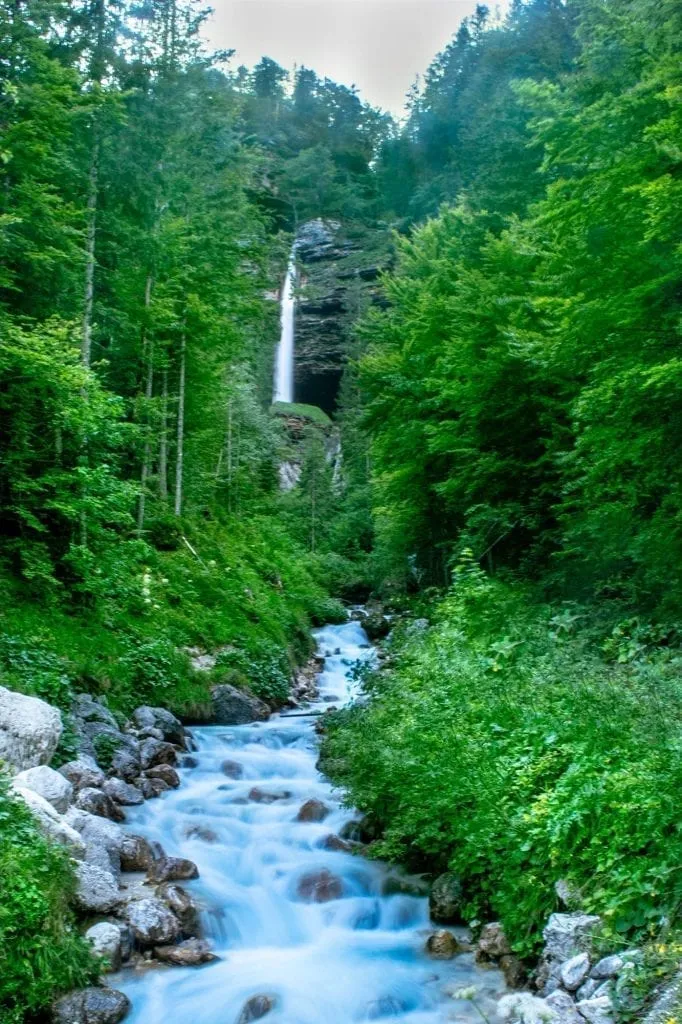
574,972
49,784
50,821
107,941
30,730
97,891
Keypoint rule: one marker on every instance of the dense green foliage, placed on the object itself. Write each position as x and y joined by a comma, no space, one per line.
40,949
501,746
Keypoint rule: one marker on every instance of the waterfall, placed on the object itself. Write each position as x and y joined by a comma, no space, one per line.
284,364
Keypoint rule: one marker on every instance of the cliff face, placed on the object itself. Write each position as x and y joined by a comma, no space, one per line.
337,279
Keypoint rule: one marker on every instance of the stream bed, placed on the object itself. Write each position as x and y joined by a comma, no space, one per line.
358,955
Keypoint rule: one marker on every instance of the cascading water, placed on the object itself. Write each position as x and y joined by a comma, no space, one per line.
283,390
357,956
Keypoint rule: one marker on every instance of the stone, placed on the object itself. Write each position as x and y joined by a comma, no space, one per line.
183,906
190,953
598,1010
136,853
233,769
97,891
155,752
83,773
166,773
568,934
256,1008
567,894
49,784
563,1008
207,835
319,887
30,730
493,943
106,941
152,788
91,1006
442,945
96,801
152,922
587,989
123,793
189,762
125,764
313,810
51,822
523,1008
168,725
375,624
336,843
575,971
172,869
88,709
607,967
514,971
235,707
262,796
445,899
355,831
103,840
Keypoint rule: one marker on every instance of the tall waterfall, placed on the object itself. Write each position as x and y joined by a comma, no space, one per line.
284,364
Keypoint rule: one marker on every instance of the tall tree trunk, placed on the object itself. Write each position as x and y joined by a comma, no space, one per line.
163,442
90,240
148,352
229,453
179,449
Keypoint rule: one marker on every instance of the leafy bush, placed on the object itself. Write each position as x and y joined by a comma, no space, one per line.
501,747
41,953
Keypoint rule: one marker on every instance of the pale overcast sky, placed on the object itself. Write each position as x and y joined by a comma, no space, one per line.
378,45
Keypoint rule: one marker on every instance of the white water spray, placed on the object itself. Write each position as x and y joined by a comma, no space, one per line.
284,364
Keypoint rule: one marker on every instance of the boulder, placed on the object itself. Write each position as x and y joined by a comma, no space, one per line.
51,822
563,1008
152,922
607,967
587,989
123,793
172,869
233,769
49,784
598,1010
492,944
103,840
152,788
30,730
375,624
169,726
190,953
319,887
155,752
83,773
106,941
445,899
97,891
183,906
235,707
96,801
207,835
256,1008
166,773
442,945
568,934
313,810
136,853
263,796
91,1006
189,762
125,764
575,971
336,843
87,709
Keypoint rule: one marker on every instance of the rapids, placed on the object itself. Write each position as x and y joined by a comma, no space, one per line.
356,958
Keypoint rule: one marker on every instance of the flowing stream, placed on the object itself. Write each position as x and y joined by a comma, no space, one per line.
283,390
359,956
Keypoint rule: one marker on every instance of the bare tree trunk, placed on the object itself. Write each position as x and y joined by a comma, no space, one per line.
90,239
148,351
179,452
163,443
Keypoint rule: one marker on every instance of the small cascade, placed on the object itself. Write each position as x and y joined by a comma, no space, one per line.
283,390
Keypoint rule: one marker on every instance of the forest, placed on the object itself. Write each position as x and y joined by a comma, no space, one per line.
487,449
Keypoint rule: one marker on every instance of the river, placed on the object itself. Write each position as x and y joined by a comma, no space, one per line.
359,956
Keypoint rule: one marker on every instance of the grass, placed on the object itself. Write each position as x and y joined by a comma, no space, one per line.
306,412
